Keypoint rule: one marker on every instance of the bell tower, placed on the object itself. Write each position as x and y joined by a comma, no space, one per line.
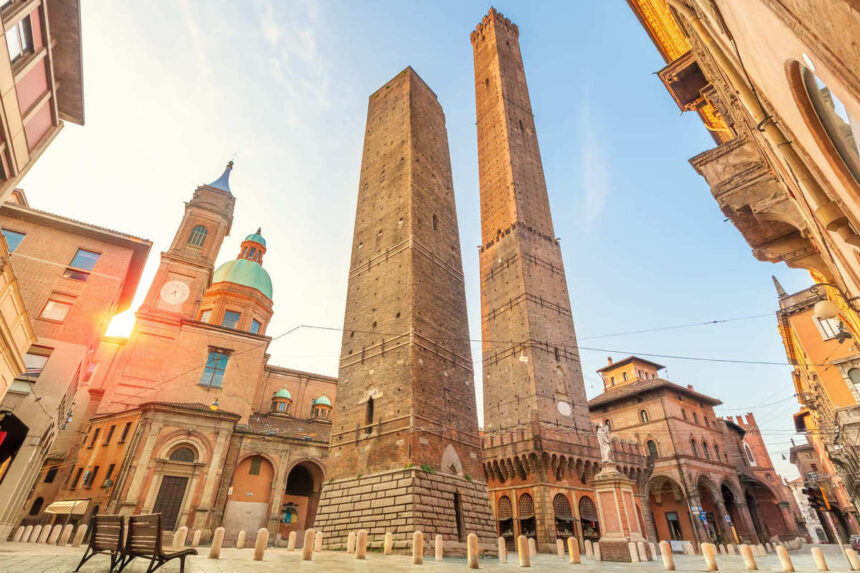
186,267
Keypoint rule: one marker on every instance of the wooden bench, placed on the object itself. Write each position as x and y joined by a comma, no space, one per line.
106,532
144,540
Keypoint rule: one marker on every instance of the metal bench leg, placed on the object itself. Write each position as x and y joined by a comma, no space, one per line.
87,556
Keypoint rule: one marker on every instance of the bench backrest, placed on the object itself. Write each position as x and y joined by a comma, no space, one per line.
144,535
107,532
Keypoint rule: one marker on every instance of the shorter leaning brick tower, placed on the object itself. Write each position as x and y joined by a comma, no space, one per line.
405,450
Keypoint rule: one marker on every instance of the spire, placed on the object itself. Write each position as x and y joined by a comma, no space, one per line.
223,182
779,290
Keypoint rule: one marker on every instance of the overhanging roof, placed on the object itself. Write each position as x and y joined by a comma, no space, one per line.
642,386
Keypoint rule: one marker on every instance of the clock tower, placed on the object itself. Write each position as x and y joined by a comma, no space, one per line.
186,268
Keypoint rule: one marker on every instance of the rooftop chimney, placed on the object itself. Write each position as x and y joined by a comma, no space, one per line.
609,360
689,386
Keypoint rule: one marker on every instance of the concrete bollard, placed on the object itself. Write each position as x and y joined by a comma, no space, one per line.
360,544
217,542
66,536
440,548
749,560
55,534
818,557
523,552
722,549
195,539
261,543
240,540
762,552
589,549
308,545
291,541
768,547
472,551
709,552
46,532
180,536
653,550
19,533
731,549
350,542
503,550
559,548
417,548
689,548
573,550
389,542
318,541
34,537
79,535
785,559
666,554
643,552
596,548
532,547
852,559
634,554
28,532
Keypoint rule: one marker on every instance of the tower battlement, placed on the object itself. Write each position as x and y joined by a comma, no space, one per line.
493,16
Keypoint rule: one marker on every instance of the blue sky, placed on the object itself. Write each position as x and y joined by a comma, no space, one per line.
175,89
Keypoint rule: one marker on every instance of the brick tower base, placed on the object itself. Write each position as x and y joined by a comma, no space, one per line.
403,501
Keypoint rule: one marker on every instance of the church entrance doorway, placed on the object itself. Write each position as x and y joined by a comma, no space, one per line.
169,500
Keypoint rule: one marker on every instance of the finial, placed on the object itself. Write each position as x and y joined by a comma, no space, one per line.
223,182
779,290
259,230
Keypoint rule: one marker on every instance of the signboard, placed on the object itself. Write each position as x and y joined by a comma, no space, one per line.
677,545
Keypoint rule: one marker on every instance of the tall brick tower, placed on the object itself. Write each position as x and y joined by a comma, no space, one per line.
540,450
405,449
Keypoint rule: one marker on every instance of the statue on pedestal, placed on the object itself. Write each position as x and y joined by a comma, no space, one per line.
605,442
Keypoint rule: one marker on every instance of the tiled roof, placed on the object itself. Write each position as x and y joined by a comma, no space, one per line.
287,427
641,386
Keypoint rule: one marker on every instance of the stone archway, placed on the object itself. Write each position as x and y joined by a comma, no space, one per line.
249,502
670,512
712,518
764,510
301,497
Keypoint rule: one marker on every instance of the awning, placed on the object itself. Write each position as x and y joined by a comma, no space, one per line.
73,507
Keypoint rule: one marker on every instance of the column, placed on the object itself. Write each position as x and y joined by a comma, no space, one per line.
212,477
650,534
746,518
700,533
279,486
723,522
139,467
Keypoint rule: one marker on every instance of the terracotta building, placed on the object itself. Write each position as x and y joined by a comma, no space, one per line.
776,85
712,478
74,278
186,417
540,450
829,524
405,422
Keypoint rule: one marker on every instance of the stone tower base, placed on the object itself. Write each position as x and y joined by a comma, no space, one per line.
403,501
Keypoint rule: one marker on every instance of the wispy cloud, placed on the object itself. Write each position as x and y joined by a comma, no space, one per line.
595,168
190,23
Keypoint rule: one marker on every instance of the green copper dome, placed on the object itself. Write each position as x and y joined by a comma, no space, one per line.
283,393
322,400
244,272
257,238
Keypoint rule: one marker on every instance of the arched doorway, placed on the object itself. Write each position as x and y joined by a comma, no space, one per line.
764,510
249,505
588,519
737,527
301,497
563,516
526,507
174,484
669,510
505,520
711,519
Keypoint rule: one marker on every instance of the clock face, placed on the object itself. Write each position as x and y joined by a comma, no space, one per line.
174,292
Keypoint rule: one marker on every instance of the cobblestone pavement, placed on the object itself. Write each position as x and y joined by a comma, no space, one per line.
36,558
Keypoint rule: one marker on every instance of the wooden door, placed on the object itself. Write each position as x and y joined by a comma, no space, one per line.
169,500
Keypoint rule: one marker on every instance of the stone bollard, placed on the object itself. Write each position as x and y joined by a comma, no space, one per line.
653,550
261,543
28,532
34,537
291,541
350,542
818,557
731,549
217,541
689,548
46,531
55,534
503,550
723,549
634,555
643,552
852,559
79,535
559,548
785,559
240,540
66,536
440,548
180,536
472,551
589,549
596,548
709,552
523,551
19,533
308,545
749,560
195,540
417,548
573,550
768,547
532,547
389,541
361,544
666,554
318,541
762,552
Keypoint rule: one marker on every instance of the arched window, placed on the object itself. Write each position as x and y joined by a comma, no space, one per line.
607,424
706,450
197,236
652,449
683,413
526,506
37,506
504,510
643,415
368,416
695,417
695,448
854,376
749,454
182,454
624,376
707,423
717,452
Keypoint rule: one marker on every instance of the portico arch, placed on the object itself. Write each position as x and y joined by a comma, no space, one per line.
248,506
670,511
763,504
301,496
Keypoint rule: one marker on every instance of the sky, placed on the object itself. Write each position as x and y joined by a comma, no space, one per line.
175,89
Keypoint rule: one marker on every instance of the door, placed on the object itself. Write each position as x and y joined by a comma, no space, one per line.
169,500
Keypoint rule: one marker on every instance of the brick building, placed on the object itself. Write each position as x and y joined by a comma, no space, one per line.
186,417
712,479
540,449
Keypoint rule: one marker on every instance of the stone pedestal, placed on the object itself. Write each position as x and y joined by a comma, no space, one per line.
619,521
